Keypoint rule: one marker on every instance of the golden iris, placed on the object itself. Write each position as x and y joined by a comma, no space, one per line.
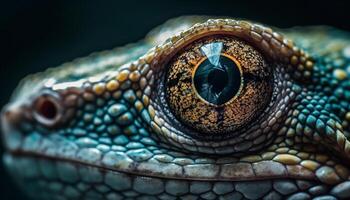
218,84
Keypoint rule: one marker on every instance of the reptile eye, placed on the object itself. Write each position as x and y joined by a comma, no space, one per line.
218,84
223,86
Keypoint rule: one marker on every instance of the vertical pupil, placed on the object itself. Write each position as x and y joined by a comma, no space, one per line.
217,79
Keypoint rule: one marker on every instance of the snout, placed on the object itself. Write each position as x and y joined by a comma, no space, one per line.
46,110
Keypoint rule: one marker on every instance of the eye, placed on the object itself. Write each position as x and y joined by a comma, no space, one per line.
218,84
223,86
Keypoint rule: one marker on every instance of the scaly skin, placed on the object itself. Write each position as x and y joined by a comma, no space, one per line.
114,137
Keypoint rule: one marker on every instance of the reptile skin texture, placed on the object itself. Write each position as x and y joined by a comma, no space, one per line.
105,127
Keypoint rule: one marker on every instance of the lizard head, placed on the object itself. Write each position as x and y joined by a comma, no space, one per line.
200,108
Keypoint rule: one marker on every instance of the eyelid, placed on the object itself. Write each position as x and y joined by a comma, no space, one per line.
273,45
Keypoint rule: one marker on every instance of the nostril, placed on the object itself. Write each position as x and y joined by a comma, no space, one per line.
47,110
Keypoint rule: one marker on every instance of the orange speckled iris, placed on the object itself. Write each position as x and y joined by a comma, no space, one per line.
230,59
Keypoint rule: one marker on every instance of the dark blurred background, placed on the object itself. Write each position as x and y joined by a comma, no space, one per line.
39,34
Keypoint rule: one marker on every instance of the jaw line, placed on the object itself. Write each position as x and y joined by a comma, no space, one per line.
105,169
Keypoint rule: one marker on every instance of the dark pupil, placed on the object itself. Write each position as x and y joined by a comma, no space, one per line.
217,79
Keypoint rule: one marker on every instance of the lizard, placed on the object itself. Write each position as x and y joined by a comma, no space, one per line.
202,108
